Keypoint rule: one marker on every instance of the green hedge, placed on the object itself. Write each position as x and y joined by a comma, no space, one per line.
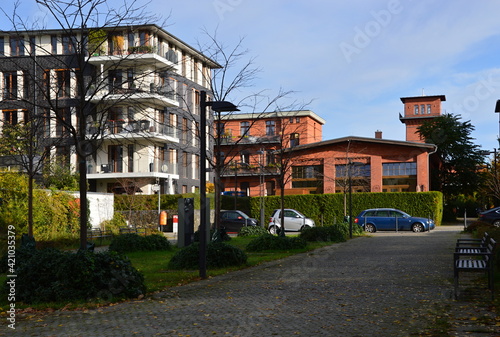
325,209
328,209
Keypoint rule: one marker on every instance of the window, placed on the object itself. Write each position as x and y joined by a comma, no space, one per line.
221,129
115,80
10,85
196,102
130,154
270,128
422,109
307,172
416,109
131,39
26,85
294,139
185,164
32,45
17,46
63,83
130,79
399,169
342,171
69,44
245,128
428,109
2,42
185,129
297,120
63,119
143,38
291,120
10,117
46,83
63,155
53,43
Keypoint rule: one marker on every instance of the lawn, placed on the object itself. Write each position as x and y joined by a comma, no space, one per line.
157,277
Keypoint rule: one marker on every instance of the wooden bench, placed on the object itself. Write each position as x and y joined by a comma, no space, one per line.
475,259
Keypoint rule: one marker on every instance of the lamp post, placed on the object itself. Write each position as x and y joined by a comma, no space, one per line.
497,110
219,106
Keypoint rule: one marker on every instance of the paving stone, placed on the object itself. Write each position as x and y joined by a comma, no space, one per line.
388,284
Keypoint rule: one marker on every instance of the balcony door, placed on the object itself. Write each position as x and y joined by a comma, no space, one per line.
115,157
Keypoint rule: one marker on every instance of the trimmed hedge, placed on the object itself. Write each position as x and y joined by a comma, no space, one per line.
50,275
219,255
272,242
131,242
328,209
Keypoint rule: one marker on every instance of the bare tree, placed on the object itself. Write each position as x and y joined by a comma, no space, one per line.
82,113
234,75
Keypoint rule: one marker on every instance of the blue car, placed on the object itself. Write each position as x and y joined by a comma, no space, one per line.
391,219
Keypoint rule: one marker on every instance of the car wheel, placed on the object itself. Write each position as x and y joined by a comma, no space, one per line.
305,227
370,228
496,223
274,230
417,228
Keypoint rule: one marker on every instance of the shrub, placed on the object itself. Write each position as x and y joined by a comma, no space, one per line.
271,242
52,275
219,255
252,231
326,233
132,242
114,224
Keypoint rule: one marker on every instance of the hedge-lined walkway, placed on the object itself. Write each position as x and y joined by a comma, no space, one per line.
389,284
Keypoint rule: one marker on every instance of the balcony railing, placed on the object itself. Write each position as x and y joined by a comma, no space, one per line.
141,128
118,167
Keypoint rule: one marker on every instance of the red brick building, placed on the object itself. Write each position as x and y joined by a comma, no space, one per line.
252,143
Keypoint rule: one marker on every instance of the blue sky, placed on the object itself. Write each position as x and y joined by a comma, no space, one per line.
355,59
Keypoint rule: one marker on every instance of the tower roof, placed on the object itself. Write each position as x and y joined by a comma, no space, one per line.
414,98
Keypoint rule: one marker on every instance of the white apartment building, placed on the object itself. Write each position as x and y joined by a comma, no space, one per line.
141,100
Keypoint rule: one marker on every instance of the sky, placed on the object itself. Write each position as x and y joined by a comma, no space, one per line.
352,61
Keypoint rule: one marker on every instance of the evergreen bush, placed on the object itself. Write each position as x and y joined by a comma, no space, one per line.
219,255
132,242
252,231
332,233
51,275
272,242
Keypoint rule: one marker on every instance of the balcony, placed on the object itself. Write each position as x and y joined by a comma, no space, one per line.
151,96
116,170
133,130
137,56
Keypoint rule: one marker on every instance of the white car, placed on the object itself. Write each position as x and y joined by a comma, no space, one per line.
294,221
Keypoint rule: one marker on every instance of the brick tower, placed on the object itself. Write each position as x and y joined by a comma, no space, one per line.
419,109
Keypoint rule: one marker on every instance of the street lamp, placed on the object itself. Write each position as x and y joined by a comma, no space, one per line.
497,110
218,106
